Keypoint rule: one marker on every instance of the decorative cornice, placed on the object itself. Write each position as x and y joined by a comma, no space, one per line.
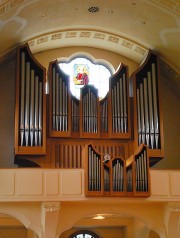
90,38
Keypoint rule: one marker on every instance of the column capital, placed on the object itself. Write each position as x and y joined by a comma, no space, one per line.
51,206
173,206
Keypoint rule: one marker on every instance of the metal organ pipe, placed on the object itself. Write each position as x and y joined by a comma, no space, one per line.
125,103
32,109
156,123
27,103
36,109
22,99
31,103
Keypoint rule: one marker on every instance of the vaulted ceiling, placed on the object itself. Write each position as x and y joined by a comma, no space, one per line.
128,27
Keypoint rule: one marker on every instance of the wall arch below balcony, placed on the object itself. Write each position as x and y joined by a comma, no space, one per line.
12,211
137,220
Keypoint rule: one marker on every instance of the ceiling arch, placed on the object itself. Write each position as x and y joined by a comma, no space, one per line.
128,27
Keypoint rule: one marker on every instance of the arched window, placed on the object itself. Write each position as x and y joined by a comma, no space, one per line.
82,71
84,234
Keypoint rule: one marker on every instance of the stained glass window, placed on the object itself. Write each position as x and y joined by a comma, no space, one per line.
82,71
84,234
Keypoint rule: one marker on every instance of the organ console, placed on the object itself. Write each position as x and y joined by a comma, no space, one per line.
115,139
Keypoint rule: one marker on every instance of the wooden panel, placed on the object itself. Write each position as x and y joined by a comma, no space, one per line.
160,181
29,183
174,181
7,183
51,177
71,182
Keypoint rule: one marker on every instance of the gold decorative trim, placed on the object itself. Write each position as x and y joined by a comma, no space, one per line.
127,44
42,39
98,35
56,36
140,50
113,39
85,34
71,34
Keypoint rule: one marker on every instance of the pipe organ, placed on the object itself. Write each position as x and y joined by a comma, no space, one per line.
30,126
59,102
99,135
112,176
89,117
148,122
90,112
119,101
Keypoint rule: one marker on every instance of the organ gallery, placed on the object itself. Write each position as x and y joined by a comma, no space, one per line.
114,139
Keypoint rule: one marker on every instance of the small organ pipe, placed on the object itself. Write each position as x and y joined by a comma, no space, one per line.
27,103
151,110
60,104
22,97
121,101
125,103
142,113
146,112
32,109
40,113
54,97
155,105
57,101
139,118
36,109
118,108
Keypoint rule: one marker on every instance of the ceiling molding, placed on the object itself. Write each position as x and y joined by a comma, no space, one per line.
89,38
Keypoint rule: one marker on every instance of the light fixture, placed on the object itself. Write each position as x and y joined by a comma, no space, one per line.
133,3
110,11
93,9
98,217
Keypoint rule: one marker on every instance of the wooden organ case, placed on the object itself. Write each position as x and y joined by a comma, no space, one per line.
115,139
